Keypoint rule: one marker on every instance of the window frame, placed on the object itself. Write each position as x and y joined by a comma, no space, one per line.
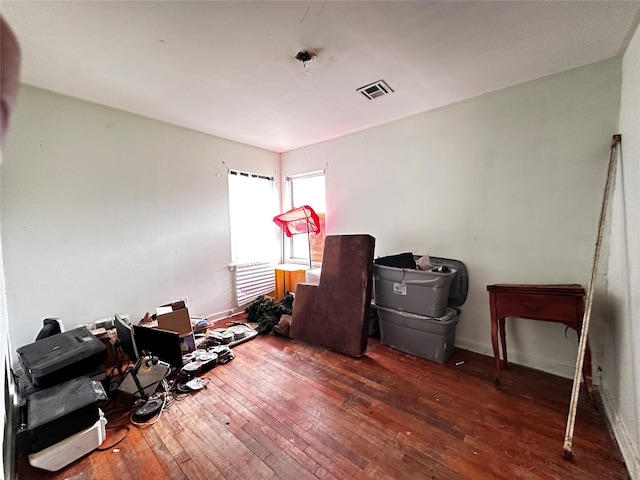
289,193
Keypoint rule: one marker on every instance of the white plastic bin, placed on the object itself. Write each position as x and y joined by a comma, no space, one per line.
64,452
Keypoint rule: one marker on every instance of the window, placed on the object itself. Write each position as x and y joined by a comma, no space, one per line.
253,202
307,189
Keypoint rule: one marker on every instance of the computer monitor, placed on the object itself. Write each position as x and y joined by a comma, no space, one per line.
125,335
164,344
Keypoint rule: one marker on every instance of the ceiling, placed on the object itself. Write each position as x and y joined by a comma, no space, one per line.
229,68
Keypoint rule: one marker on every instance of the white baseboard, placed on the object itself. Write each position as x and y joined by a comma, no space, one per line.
627,448
519,358
214,317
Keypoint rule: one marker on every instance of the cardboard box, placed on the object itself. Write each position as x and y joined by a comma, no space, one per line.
175,317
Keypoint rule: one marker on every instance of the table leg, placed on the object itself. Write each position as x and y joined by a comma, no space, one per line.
586,365
496,351
503,341
494,337
586,371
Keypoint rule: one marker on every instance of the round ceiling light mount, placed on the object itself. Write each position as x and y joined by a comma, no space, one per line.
304,56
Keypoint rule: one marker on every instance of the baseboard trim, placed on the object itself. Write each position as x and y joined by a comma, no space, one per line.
629,451
538,363
214,317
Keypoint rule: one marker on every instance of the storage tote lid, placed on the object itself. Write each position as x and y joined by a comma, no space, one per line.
460,284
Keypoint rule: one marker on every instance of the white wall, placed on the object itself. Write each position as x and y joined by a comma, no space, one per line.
510,183
621,356
105,211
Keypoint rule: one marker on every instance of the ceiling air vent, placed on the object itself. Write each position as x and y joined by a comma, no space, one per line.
375,89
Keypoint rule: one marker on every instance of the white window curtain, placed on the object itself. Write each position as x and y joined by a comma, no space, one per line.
253,202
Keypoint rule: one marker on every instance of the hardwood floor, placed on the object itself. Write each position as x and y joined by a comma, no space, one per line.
283,409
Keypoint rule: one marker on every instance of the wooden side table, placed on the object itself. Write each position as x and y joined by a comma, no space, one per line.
552,303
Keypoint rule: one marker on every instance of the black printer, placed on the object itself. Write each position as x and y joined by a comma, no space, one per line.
64,356
58,397
52,414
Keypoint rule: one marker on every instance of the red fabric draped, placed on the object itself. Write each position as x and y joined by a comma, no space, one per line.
298,220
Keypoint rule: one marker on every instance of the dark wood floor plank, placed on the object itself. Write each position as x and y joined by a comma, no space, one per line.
424,467
346,441
366,442
166,431
229,455
235,421
332,449
279,433
124,460
199,451
285,453
332,465
166,459
441,392
286,409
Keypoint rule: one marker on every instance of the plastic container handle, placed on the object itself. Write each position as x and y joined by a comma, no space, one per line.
416,282
419,282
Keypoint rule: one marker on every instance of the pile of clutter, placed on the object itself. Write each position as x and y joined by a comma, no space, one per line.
199,362
267,313
227,336
424,263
